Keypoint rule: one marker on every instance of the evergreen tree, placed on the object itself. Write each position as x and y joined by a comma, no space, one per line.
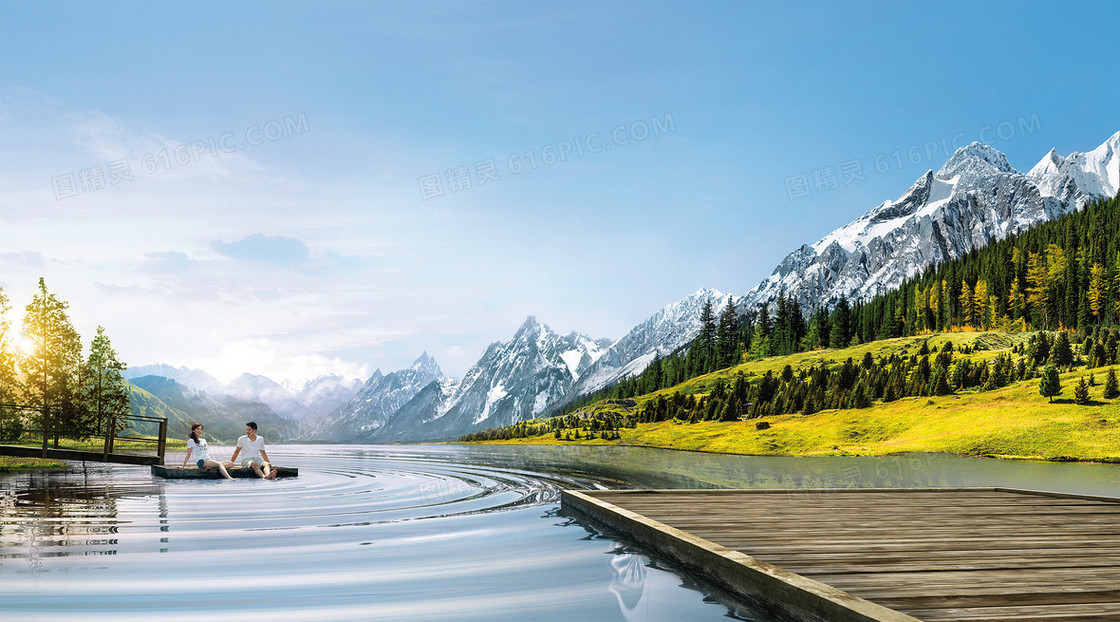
106,395
1050,385
840,320
958,372
1111,386
51,367
1081,392
1061,354
810,405
10,421
727,335
818,332
941,382
707,335
760,338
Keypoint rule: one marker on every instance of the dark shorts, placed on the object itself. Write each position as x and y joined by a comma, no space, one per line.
201,463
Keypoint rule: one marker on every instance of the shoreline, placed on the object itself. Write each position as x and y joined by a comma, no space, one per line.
895,454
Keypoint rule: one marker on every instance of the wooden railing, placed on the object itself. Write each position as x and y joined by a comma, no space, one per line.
22,425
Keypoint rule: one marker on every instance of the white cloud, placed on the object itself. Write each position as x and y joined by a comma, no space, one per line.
249,268
271,358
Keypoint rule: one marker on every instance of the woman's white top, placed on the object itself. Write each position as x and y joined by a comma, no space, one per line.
199,450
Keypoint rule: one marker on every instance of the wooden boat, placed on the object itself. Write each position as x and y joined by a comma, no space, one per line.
177,472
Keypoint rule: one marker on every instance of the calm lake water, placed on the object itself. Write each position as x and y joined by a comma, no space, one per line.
403,532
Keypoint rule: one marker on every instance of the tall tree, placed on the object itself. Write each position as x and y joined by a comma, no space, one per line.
1098,291
980,305
105,392
1111,385
966,305
840,332
707,334
1061,353
1038,290
760,337
51,367
727,335
9,382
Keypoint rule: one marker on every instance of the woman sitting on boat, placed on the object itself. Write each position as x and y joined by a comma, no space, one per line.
197,443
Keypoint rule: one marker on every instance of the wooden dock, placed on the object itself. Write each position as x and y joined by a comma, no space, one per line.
75,454
176,472
968,555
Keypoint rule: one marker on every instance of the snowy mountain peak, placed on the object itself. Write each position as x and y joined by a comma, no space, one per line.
373,405
670,328
1094,173
512,381
531,322
976,160
426,362
706,292
975,198
907,204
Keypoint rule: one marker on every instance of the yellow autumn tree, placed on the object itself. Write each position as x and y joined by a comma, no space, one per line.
1038,284
980,305
966,304
1097,294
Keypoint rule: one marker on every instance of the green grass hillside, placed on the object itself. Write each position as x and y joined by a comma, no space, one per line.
1014,421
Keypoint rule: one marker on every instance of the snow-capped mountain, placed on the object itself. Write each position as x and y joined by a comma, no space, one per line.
672,327
976,198
368,410
511,382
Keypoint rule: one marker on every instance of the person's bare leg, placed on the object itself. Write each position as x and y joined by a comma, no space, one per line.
269,472
214,464
257,470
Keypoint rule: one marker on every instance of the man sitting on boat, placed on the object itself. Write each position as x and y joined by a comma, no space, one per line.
255,456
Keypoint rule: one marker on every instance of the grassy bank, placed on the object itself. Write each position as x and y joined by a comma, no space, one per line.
9,464
148,444
1011,422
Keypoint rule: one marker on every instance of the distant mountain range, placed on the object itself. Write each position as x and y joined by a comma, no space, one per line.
184,396
373,405
223,415
975,198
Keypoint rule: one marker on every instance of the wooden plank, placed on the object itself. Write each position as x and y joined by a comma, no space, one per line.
175,472
935,554
1092,612
73,454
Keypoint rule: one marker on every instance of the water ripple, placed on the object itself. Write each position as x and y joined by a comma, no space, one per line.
365,533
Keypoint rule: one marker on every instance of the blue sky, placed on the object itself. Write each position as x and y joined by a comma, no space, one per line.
279,212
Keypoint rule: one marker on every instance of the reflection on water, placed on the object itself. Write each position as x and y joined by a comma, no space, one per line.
656,468
391,533
365,533
76,515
